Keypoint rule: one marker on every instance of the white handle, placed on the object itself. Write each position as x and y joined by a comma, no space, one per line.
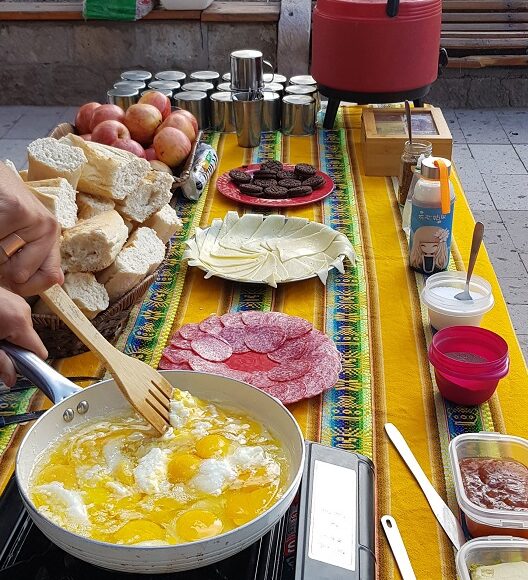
395,540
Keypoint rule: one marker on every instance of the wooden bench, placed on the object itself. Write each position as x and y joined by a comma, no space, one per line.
481,33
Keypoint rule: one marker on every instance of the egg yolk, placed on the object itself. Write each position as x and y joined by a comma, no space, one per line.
212,445
198,524
244,506
123,473
182,467
139,531
63,473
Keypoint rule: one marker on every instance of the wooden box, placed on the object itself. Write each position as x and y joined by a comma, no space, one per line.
384,133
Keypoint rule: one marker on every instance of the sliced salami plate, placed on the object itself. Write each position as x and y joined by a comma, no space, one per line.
279,354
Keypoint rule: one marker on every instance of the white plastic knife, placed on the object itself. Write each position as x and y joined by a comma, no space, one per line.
443,514
390,527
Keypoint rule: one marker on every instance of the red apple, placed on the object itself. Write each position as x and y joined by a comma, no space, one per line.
158,100
87,136
172,146
106,113
142,120
84,117
179,122
189,116
109,131
150,154
130,145
160,166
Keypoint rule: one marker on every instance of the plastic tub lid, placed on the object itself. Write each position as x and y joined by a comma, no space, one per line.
440,289
487,516
486,551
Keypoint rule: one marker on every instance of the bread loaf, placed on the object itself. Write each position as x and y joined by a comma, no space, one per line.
110,172
23,174
93,244
49,158
58,196
151,194
165,223
84,289
140,256
90,205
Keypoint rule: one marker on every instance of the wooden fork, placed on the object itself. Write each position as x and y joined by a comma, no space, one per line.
146,390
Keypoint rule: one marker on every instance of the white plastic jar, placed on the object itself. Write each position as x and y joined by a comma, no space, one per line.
445,310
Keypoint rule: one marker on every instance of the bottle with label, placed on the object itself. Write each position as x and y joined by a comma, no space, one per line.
432,207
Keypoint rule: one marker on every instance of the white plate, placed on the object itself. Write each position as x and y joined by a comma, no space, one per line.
268,249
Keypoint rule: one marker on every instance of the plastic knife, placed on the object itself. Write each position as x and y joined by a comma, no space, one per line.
390,527
443,514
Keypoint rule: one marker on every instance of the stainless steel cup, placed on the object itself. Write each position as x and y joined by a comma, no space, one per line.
246,70
274,88
271,111
165,85
222,112
223,87
226,77
205,76
139,85
137,75
199,86
310,90
196,103
275,78
303,80
170,75
298,115
122,97
248,118
166,92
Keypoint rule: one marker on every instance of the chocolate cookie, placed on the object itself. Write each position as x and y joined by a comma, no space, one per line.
251,189
304,170
289,183
271,165
261,174
286,175
276,192
239,176
299,191
265,182
314,182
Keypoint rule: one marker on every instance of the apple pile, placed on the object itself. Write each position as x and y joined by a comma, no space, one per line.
148,129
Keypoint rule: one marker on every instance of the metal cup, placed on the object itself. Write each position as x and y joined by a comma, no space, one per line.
170,75
226,77
298,115
303,80
274,88
196,103
246,70
166,92
275,78
222,114
271,111
122,97
205,76
224,87
310,90
199,86
136,75
248,118
165,85
139,85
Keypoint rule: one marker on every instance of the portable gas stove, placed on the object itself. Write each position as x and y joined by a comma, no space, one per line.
327,534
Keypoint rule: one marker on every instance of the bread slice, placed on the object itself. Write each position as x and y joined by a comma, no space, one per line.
84,289
12,166
140,256
165,223
91,205
58,196
110,172
50,158
93,244
152,193
23,174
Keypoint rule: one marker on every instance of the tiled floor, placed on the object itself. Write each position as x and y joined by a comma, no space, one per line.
491,155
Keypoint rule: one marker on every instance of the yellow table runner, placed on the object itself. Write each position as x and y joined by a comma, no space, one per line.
374,315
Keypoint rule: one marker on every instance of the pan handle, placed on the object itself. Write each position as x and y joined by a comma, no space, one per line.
48,380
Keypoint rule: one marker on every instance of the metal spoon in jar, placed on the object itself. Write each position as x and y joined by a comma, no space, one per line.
409,120
478,234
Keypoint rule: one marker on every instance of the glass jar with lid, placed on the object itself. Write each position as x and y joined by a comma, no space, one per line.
409,160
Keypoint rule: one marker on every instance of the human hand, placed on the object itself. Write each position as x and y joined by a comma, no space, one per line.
36,266
16,327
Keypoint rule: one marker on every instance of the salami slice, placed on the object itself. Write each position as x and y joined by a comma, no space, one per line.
289,370
261,381
212,348
294,327
291,350
232,320
217,368
293,391
274,318
264,339
177,355
235,338
167,365
190,331
211,325
179,342
252,317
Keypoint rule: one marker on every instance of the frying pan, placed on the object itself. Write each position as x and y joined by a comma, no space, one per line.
74,406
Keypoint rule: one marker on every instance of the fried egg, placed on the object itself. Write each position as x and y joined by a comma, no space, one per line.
113,480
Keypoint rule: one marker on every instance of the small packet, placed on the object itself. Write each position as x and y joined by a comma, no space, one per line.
205,163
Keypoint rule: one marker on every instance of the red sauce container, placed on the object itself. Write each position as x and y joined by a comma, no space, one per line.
469,362
483,521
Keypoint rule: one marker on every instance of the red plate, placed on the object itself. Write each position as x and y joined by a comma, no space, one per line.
228,188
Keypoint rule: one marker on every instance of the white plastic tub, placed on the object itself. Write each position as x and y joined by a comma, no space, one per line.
445,310
186,4
489,552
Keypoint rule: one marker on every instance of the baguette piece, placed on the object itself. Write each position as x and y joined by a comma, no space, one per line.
50,158
140,256
93,244
58,197
90,205
84,289
12,166
23,174
165,223
152,193
110,172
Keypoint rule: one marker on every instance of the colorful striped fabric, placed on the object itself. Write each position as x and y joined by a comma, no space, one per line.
374,315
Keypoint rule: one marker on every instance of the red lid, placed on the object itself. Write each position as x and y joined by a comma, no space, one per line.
375,9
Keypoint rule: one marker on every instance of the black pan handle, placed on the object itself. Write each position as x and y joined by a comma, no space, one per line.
47,379
393,7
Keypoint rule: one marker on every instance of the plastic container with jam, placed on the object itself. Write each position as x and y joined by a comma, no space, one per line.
489,552
488,521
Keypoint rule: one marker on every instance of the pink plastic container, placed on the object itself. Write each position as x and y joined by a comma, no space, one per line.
469,362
